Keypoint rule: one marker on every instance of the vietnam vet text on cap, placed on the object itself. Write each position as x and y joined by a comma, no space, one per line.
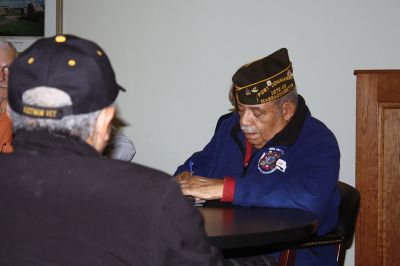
69,63
264,80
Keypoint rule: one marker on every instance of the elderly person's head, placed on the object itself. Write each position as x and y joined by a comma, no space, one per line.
66,86
266,97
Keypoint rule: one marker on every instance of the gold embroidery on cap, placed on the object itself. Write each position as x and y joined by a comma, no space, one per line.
99,53
263,91
31,60
39,112
60,38
71,62
255,83
33,111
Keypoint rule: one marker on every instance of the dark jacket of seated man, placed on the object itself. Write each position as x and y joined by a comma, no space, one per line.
61,201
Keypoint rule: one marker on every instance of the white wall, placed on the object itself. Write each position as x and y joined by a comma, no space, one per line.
176,59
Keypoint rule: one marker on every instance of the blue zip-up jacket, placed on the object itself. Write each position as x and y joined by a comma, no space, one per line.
297,168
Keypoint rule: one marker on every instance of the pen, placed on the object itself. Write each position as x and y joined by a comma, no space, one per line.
191,167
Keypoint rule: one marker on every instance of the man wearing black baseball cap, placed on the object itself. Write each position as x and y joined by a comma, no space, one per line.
270,152
61,202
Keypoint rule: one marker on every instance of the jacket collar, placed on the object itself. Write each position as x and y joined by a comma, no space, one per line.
41,143
288,135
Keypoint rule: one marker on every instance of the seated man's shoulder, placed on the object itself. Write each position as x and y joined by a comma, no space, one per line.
317,125
317,131
227,119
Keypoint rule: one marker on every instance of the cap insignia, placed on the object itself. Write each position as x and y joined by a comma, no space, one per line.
71,62
31,60
60,38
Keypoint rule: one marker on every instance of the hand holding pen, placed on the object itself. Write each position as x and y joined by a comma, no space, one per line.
196,201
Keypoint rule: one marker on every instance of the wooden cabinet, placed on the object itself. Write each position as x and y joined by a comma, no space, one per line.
378,167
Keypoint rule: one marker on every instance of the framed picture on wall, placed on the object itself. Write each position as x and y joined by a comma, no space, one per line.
24,21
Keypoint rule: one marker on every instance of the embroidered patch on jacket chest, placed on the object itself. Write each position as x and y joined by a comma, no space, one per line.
271,161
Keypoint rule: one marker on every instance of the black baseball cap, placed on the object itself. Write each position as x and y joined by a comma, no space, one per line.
77,66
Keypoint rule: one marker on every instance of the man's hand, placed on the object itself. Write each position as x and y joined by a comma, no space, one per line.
200,187
183,176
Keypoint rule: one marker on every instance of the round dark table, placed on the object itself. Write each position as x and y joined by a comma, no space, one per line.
256,230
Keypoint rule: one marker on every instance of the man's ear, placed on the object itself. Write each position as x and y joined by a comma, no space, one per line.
102,129
288,109
8,112
104,120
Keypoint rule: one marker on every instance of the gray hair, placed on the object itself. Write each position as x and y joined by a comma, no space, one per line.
232,99
80,126
291,96
4,45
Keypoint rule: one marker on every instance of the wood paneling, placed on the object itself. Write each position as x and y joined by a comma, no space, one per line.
389,184
377,167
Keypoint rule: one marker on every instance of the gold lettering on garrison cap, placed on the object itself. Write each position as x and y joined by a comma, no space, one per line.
264,80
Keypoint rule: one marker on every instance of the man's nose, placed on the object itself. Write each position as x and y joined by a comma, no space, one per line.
246,118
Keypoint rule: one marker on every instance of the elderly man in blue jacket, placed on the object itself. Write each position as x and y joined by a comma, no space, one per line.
270,152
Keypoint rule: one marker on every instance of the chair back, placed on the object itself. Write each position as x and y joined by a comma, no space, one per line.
348,210
342,235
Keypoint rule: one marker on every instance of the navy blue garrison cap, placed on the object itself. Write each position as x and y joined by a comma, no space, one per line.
264,80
